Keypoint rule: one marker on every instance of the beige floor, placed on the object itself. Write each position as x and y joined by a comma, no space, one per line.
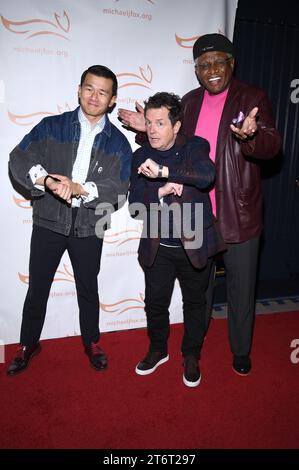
264,306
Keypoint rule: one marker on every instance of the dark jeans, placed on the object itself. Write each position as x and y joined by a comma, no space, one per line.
47,248
240,262
172,263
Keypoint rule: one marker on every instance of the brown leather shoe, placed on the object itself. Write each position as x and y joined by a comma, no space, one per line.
22,359
97,357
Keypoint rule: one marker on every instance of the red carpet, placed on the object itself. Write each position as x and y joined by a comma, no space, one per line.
60,402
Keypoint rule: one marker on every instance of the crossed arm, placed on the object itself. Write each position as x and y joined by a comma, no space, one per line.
62,187
150,169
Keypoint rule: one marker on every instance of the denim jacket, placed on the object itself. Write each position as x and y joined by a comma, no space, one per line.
53,143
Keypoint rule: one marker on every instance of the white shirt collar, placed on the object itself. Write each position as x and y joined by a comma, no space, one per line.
99,125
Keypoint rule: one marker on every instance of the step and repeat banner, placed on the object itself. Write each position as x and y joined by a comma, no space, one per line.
44,48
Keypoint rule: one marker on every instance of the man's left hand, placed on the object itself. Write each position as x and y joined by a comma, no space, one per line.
249,126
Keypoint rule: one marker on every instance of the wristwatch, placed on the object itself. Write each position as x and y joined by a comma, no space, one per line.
49,176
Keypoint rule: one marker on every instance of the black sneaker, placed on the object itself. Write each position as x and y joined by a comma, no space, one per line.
191,377
150,363
241,365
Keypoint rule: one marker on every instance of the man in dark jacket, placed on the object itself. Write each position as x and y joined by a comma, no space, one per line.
237,121
179,236
71,163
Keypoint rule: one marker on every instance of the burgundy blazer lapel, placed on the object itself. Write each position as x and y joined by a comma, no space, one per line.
226,118
192,112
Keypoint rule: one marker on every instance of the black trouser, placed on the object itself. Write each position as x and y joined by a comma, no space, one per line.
240,262
172,263
47,248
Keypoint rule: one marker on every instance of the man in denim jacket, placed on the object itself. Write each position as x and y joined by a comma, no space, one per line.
71,163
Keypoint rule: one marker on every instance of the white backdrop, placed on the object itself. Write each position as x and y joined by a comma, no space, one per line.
45,45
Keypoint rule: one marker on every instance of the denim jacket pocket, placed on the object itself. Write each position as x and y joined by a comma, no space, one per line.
47,207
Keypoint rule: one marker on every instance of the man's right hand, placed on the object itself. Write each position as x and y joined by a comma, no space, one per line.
170,188
133,119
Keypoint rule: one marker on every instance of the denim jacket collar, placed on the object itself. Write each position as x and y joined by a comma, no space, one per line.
107,127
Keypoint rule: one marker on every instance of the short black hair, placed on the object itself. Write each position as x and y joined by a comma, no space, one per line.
101,71
170,101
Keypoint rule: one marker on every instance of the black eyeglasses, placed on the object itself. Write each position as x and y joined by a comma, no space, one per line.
218,64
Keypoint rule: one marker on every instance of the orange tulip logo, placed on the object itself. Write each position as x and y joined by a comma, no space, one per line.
22,203
125,236
124,305
143,79
186,42
31,119
65,275
37,27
